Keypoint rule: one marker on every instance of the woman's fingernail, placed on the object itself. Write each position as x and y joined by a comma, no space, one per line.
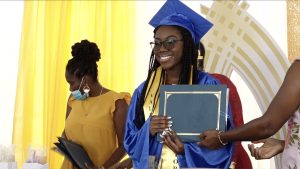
169,133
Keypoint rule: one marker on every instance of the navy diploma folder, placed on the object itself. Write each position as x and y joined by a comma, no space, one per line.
194,109
74,152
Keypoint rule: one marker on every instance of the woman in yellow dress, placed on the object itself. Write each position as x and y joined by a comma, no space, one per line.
95,115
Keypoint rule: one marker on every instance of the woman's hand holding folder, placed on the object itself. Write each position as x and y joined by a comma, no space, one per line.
211,139
174,142
159,124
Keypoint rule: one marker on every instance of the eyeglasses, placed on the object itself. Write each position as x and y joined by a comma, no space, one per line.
168,44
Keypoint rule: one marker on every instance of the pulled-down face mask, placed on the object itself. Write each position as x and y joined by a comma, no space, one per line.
77,93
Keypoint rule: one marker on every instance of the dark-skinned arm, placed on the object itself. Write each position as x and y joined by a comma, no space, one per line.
282,107
119,122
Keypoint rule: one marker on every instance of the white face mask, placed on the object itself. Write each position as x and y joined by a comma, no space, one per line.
77,94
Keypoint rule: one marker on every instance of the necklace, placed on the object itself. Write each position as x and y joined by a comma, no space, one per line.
101,90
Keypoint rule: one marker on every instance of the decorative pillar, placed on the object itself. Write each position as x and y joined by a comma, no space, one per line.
293,21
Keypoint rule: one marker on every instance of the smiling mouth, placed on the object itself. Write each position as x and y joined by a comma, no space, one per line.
165,58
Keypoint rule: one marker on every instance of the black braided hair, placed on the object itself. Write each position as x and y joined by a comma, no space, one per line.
190,54
201,61
85,55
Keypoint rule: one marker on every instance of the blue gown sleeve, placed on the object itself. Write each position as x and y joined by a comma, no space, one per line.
137,142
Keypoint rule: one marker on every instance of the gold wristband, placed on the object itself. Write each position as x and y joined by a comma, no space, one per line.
220,138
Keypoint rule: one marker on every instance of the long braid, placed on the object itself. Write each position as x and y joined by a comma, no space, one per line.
190,54
201,61
139,116
194,63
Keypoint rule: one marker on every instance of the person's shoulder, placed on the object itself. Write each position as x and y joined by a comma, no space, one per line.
221,77
119,95
139,88
71,99
295,65
203,74
206,78
296,62
114,94
294,70
141,85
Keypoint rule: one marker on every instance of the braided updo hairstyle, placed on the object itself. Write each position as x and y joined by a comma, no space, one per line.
85,55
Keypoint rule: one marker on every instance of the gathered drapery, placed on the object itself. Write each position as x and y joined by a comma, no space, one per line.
49,30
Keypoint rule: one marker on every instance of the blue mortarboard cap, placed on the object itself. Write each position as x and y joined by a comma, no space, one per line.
174,12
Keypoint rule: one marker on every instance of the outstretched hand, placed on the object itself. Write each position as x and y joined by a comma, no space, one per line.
210,140
270,148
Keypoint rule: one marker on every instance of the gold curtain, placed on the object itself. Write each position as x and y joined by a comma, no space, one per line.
49,30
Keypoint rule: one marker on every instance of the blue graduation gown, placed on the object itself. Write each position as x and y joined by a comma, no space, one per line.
139,144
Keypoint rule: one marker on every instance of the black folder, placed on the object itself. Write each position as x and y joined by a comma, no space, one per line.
194,109
74,152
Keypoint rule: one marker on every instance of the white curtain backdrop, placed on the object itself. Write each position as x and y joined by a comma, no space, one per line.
11,13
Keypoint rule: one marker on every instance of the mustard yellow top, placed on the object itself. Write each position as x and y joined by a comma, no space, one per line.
90,124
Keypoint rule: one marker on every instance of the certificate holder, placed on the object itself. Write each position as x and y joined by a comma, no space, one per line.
194,109
74,152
